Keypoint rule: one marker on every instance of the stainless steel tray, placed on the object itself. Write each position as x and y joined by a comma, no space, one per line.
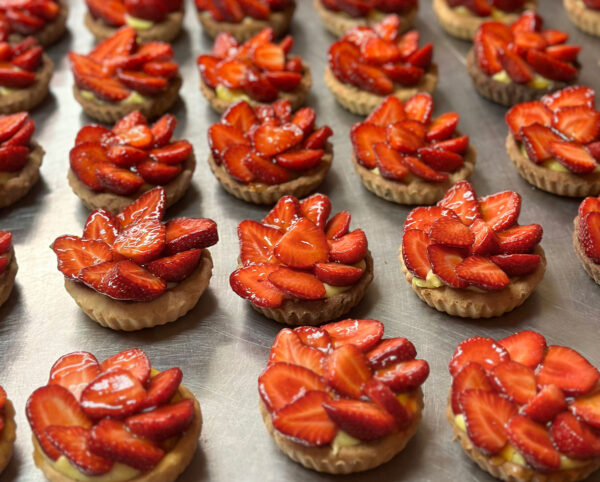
222,345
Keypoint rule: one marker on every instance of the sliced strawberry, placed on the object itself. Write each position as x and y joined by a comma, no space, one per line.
555,37
414,252
232,73
314,336
176,268
265,171
519,239
116,393
378,51
485,240
517,264
305,119
477,349
422,170
126,156
461,199
389,111
106,89
139,136
74,371
183,234
207,65
403,140
173,153
550,67
257,242
548,402
224,45
422,58
297,284
233,160
240,116
74,254
110,11
443,262
440,159
500,210
404,376
404,74
569,97
579,123
287,43
339,224
288,348
5,241
285,213
84,158
142,242
515,381
568,370
442,127
342,57
318,139
487,46
470,377
347,370
141,82
524,41
391,351
269,56
382,396
163,422
359,419
573,438
119,181
336,274
258,87
10,124
350,248
527,113
587,408
364,136
536,138
482,273
517,69
13,158
316,208
128,122
533,441
168,70
362,333
419,107
252,283
96,277
564,53
526,347
127,280
458,145
133,360
303,245
588,205
271,140
150,205
409,43
589,235
162,387
158,173
529,21
372,79
23,136
451,232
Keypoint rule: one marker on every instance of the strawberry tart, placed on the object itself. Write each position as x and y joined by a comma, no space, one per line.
369,63
152,19
586,236
261,154
555,143
403,155
462,18
258,71
245,18
119,420
132,271
8,266
119,76
110,168
469,257
340,398
20,157
521,62
299,268
339,16
8,429
585,14
525,411
43,19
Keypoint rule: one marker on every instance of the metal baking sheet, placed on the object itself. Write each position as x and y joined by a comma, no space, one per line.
222,345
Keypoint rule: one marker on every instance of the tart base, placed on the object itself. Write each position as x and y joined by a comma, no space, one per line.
7,279
510,472
417,191
51,32
297,97
167,470
249,27
17,187
362,102
315,312
174,190
8,435
560,183
507,94
584,18
136,315
164,31
26,99
473,304
358,458
259,193
152,108
590,267
338,23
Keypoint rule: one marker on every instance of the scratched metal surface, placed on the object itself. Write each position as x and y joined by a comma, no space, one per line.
222,345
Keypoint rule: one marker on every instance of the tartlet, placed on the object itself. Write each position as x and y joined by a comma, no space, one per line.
521,62
262,154
258,71
586,236
43,19
245,18
585,14
462,18
8,266
555,143
111,168
132,271
469,257
120,76
152,20
525,411
120,419
403,155
297,268
339,16
8,429
340,399
369,63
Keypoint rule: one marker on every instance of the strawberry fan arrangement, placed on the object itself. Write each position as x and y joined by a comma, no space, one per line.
19,63
26,17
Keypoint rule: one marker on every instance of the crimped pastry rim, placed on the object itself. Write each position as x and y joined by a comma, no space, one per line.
584,18
17,187
591,268
164,31
8,435
28,98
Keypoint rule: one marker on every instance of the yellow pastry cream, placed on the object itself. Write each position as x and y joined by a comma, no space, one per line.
231,95
138,23
552,164
331,291
134,97
538,81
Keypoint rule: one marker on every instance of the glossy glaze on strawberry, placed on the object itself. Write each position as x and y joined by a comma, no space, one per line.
588,228
19,63
130,156
16,131
519,395
26,17
234,11
268,144
487,8
378,60
295,251
97,415
116,13
259,68
341,377
402,141
135,255
467,241
365,8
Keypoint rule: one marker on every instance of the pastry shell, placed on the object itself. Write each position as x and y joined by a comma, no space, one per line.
590,266
151,108
51,32
137,315
17,187
164,31
7,279
358,458
8,435
249,27
338,23
584,18
20,100
315,312
167,470
174,190
561,183
474,304
259,193
297,97
361,102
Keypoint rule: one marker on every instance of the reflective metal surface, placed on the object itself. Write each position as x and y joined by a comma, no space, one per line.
222,345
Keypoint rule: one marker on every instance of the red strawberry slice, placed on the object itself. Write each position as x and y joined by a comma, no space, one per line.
133,360
288,348
443,262
372,79
526,347
305,119
388,27
409,43
524,41
549,67
314,336
519,239
390,351
297,284
231,73
422,218
404,74
224,45
378,51
286,43
350,248
271,140
533,441
116,393
150,205
257,242
126,156
127,280
440,159
163,422
110,11
10,125
450,232
74,371
482,273
318,139
587,408
303,245
176,268
470,377
173,153
101,225
183,234
265,171
568,370
485,240
589,235
336,274
569,97
404,376
382,396
168,70
589,205
257,86
364,136
252,283
415,244
118,181
517,264
403,140
268,56
13,158
158,173
515,381
527,113
5,241
419,107
458,145
362,420
23,136
233,160
487,47
316,208
564,53
389,112
240,115
96,276
74,254
223,136
528,22
549,402
500,210
207,65
155,11
390,162
162,387
339,224
442,127
579,123
141,82
422,58
83,159
142,242
106,89
462,200
422,170
573,438
362,333
536,138
342,57
139,136
285,213
517,69
477,349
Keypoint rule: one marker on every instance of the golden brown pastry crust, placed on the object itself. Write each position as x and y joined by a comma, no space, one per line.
361,102
51,32
152,108
17,187
164,31
168,469
561,183
297,97
8,435
474,304
26,99
584,18
315,312
278,21
338,23
259,193
7,279
174,190
358,458
137,315
590,267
